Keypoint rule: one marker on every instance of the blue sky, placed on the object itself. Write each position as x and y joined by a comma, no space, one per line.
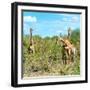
49,24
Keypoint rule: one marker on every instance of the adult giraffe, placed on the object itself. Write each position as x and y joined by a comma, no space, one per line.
69,51
31,44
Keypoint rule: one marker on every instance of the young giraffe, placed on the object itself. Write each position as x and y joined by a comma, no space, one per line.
31,46
69,48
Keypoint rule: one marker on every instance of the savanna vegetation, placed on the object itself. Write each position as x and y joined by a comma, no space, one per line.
47,59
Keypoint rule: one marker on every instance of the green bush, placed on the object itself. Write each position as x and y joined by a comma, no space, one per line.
47,59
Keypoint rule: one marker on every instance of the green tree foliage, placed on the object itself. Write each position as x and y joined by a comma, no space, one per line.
75,36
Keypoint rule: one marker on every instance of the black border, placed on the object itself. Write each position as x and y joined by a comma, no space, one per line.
14,43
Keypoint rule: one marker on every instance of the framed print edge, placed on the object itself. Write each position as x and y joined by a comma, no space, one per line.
86,52
14,44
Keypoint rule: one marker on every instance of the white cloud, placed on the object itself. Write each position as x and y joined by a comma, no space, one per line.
73,19
30,19
65,19
59,31
65,15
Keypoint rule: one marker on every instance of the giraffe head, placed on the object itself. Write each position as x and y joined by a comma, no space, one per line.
60,41
63,41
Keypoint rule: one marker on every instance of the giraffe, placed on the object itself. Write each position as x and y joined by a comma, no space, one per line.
31,44
68,49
